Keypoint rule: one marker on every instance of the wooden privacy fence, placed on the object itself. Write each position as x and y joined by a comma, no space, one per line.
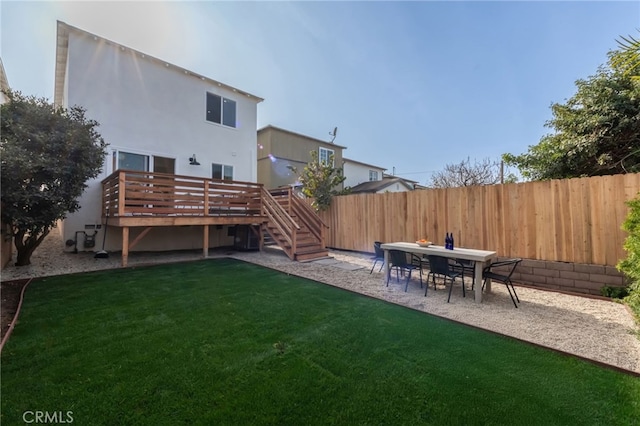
571,220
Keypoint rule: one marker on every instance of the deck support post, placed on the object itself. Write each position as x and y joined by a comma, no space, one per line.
205,241
125,246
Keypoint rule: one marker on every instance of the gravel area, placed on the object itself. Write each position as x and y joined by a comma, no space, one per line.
591,328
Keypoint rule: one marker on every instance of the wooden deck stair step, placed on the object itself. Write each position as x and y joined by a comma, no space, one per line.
308,245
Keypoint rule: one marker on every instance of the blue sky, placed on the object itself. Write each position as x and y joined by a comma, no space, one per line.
410,85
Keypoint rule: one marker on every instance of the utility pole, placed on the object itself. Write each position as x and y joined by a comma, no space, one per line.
501,172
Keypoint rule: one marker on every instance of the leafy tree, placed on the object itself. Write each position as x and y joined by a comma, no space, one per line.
48,153
319,181
628,61
597,132
486,172
631,265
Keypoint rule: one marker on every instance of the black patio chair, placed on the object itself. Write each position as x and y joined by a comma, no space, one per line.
466,266
398,259
439,265
507,267
379,256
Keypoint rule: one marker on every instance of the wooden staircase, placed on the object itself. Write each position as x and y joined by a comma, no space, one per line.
293,225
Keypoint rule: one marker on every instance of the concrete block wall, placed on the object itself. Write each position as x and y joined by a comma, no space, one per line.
570,277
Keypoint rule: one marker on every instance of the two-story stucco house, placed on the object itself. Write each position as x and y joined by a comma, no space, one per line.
279,150
156,117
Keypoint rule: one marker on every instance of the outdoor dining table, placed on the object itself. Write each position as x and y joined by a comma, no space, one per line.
480,257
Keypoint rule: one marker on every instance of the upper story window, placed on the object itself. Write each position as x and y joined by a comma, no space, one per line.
221,171
324,155
373,175
221,110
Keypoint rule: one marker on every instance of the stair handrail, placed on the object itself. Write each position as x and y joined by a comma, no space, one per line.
279,217
301,201
310,218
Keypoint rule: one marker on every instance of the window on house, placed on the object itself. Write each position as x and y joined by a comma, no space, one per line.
143,163
228,112
221,110
130,161
373,175
164,165
324,156
221,171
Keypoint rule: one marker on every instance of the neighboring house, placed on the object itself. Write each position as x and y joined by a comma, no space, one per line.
280,150
387,184
357,172
4,83
156,117
408,182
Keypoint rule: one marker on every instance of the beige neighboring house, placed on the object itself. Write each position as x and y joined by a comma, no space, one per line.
357,172
280,149
6,245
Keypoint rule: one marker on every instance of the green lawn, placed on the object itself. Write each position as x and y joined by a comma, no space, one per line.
227,342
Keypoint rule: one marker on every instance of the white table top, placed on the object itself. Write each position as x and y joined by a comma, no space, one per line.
456,253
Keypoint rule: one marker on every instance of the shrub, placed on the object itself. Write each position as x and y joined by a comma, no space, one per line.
631,265
614,292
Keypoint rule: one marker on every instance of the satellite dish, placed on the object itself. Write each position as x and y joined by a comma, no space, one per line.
334,134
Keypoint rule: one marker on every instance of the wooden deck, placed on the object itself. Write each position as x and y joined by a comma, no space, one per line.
146,199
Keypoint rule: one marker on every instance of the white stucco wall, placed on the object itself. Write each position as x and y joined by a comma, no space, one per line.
147,107
357,173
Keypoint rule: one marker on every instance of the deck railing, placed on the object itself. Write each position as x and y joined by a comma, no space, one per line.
134,193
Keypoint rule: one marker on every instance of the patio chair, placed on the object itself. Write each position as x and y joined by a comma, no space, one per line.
466,266
504,275
422,262
439,265
379,256
398,260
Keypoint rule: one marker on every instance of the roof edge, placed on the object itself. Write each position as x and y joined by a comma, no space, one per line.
363,164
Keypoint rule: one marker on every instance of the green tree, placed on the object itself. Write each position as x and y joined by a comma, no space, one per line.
630,266
48,153
320,181
597,131
628,61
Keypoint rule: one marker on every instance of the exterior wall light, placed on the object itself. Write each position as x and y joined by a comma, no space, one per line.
193,161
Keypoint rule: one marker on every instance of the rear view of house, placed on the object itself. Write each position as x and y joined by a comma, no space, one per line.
156,117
